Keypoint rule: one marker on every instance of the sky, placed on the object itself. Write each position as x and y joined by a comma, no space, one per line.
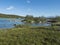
30,7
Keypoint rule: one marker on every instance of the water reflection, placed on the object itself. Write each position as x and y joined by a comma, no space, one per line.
9,23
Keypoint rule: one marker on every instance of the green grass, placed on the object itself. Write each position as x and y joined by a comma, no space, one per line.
29,36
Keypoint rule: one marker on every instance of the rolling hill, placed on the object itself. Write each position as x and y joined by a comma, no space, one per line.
9,16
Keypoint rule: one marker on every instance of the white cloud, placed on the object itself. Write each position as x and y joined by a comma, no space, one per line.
10,8
28,1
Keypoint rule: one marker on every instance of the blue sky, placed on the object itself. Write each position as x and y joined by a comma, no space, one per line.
31,7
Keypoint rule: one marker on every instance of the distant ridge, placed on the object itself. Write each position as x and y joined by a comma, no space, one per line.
9,16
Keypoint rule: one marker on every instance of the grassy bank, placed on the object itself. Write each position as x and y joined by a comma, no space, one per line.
29,36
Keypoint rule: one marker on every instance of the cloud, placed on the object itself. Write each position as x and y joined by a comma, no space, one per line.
28,1
10,8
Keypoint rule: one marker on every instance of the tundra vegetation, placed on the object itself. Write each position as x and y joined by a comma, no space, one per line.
29,35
